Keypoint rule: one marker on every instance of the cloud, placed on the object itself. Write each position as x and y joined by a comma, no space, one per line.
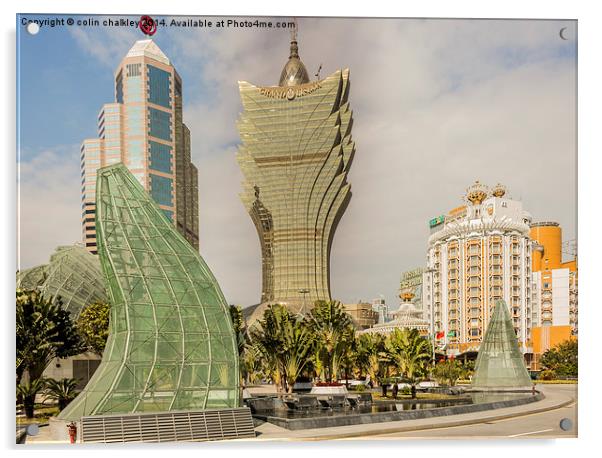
49,204
437,104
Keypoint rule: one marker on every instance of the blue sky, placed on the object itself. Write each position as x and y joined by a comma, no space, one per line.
437,104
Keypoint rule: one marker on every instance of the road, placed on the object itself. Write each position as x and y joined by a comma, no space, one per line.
537,425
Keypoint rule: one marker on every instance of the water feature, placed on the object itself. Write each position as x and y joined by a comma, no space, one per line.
284,414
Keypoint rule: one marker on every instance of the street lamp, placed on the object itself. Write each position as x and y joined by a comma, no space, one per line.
304,291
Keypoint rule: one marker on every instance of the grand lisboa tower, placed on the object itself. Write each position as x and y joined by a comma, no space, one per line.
295,153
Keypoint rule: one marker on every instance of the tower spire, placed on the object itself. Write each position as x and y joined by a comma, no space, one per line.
294,72
294,45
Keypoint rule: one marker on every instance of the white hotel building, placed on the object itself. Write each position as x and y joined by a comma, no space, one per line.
478,253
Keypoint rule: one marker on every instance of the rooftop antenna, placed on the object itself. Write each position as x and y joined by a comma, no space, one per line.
317,75
294,30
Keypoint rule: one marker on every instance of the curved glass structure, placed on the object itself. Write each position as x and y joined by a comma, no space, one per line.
171,345
73,275
500,363
295,155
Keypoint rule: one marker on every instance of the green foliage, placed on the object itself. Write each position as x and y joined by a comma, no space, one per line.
63,390
562,359
93,326
360,387
334,332
285,343
370,356
27,392
448,372
240,327
44,332
409,353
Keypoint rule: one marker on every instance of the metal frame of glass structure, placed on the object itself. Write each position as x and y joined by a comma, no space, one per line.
72,276
500,364
171,344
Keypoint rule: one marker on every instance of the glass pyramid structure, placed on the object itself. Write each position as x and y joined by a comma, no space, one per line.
171,344
500,363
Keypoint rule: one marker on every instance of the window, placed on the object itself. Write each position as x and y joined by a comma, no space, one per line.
159,87
159,124
119,87
161,190
160,157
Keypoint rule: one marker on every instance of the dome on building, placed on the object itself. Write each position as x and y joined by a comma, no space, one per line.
294,72
407,316
499,190
477,193
72,275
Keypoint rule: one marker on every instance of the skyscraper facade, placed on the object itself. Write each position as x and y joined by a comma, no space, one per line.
479,253
295,153
144,130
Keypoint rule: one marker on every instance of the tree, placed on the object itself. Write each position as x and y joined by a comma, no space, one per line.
285,344
410,353
27,391
370,356
448,372
298,344
562,359
240,327
333,328
63,390
44,332
93,325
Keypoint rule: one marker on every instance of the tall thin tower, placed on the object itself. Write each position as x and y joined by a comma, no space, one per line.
295,152
144,129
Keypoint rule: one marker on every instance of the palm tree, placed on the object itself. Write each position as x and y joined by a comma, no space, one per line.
44,332
410,353
334,332
63,390
372,358
27,391
296,354
285,343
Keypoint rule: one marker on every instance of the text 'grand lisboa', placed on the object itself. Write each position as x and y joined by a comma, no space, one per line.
295,153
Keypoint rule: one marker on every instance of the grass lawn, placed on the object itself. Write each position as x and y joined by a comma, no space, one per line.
42,413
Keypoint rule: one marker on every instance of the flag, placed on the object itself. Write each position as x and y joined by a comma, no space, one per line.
439,335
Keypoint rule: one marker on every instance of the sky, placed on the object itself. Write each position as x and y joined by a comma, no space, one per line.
437,104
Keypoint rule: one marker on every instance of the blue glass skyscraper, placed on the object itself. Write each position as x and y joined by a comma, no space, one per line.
144,130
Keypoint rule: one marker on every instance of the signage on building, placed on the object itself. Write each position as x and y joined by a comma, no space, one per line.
437,221
411,278
411,282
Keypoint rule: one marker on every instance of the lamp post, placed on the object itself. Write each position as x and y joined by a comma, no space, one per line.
304,291
430,272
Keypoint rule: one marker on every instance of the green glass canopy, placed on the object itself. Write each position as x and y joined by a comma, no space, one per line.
171,345
500,363
73,277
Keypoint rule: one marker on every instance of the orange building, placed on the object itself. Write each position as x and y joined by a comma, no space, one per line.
555,298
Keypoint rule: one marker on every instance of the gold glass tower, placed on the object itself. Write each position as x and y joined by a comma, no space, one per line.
295,154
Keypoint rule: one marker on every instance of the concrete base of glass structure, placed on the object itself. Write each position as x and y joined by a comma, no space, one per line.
59,429
174,426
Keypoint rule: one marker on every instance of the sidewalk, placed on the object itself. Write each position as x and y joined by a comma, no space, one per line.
270,432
